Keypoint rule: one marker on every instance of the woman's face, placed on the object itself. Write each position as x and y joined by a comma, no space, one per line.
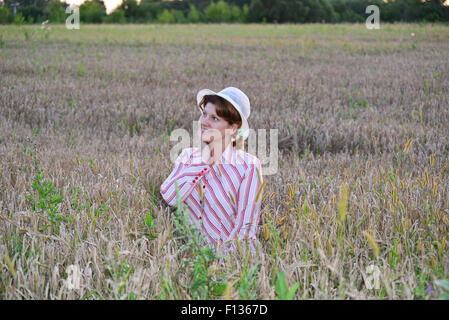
210,121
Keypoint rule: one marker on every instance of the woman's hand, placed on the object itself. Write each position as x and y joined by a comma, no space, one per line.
210,146
207,153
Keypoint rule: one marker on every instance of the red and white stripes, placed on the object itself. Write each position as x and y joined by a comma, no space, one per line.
221,197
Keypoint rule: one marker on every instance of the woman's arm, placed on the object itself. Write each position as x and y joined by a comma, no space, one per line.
248,207
186,175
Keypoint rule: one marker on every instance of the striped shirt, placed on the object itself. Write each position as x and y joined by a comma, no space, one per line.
223,199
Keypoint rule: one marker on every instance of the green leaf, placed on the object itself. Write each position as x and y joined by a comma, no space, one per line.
292,291
148,220
219,288
281,288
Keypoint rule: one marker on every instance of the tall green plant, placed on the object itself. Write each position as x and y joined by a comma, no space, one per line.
282,291
248,282
205,280
44,199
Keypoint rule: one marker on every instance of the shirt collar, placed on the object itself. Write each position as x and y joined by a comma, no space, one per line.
227,154
227,157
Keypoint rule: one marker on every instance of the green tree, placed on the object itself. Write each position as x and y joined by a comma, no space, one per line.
133,11
435,10
194,14
4,14
33,13
116,16
239,3
201,5
56,12
256,11
179,16
165,16
237,14
218,12
278,11
92,12
320,11
391,11
40,4
150,9
18,19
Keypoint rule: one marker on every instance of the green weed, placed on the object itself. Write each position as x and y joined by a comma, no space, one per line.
282,291
206,280
45,199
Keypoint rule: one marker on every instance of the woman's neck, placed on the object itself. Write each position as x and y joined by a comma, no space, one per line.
225,143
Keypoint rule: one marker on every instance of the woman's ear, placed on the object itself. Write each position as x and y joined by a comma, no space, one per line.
234,128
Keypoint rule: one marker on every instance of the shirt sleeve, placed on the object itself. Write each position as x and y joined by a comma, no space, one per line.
248,207
186,175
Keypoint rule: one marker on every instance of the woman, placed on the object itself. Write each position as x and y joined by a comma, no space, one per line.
220,184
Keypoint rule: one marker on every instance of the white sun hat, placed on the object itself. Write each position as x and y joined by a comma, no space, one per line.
238,99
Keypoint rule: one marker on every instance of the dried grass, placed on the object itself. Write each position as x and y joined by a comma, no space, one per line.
363,108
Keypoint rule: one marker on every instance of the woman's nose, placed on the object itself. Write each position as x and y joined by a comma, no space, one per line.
204,122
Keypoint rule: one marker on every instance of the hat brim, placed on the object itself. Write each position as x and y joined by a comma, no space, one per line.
205,92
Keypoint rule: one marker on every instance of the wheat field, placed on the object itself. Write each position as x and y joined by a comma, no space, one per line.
363,177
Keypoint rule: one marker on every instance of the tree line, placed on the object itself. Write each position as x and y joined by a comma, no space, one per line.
229,11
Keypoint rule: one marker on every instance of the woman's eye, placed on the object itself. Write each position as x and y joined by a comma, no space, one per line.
215,118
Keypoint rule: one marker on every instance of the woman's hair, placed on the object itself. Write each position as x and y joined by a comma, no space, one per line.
226,111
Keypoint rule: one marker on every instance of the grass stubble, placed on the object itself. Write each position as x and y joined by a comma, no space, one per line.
363,180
